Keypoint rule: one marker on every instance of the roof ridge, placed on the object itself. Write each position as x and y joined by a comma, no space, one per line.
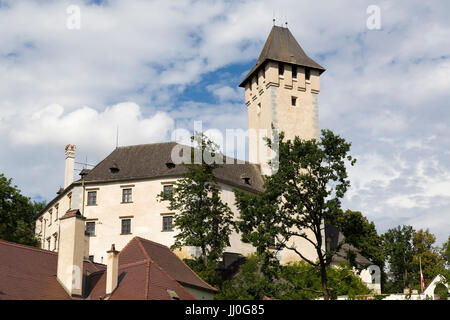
145,144
138,239
161,245
147,278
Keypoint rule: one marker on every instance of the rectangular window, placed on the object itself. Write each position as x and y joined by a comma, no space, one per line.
307,74
294,101
50,212
167,223
168,189
126,226
91,258
92,198
56,211
280,68
70,200
294,72
126,196
49,240
55,243
90,228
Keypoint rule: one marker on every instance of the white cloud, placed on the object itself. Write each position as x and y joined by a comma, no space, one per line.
95,131
385,91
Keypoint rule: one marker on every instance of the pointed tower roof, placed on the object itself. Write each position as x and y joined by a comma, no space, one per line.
281,46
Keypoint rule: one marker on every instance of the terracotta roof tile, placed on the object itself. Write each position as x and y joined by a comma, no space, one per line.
29,273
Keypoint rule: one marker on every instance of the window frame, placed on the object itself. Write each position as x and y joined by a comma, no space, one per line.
88,198
164,217
168,186
128,197
50,212
294,101
90,223
122,226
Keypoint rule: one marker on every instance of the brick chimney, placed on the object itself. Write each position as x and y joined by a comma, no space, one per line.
112,270
70,165
71,252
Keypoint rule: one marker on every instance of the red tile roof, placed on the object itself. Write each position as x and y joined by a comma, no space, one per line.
147,270
143,249
29,273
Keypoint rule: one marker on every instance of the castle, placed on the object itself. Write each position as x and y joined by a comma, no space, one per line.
118,197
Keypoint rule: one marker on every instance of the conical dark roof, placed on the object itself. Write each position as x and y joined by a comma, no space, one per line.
281,46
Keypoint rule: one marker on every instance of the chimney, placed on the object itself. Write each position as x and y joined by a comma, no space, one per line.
71,252
70,165
112,270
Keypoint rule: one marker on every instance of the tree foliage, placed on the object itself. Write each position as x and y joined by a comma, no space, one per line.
430,258
399,250
304,282
201,218
305,191
250,283
445,252
297,281
17,214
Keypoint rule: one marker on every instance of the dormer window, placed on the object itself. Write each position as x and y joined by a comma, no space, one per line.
245,179
170,165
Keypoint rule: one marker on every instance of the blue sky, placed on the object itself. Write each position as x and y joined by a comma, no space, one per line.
153,66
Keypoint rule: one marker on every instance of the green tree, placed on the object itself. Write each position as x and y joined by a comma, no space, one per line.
201,218
305,282
296,281
250,283
17,214
305,191
428,254
445,252
362,234
399,251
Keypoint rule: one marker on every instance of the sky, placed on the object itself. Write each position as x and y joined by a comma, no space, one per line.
151,67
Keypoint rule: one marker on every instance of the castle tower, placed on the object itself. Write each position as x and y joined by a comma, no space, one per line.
281,89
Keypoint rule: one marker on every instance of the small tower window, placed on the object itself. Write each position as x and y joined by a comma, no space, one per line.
258,109
294,72
294,101
280,69
307,74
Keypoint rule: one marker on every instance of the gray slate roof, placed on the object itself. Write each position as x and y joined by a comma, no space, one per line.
281,46
149,161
